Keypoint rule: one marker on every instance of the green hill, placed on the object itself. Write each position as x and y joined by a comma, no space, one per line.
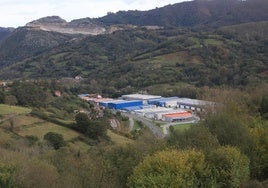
135,59
23,43
194,13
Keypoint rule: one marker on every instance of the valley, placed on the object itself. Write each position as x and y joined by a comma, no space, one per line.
176,96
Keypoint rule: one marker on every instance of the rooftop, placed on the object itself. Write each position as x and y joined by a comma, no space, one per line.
194,102
141,96
124,101
181,114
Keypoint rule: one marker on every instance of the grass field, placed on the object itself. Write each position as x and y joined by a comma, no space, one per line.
7,109
24,124
212,42
182,127
118,139
40,129
5,136
29,125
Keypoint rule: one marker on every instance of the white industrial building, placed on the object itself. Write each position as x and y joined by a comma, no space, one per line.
158,113
149,112
194,104
142,97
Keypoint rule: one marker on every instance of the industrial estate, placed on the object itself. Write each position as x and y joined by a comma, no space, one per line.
166,109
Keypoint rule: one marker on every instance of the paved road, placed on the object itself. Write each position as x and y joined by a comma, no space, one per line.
156,130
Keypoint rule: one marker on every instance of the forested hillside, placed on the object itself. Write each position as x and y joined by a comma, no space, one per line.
231,55
4,32
194,13
23,43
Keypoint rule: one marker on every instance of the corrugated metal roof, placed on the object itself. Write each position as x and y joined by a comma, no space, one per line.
124,101
141,96
194,102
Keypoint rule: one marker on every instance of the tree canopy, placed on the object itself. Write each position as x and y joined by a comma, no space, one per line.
229,166
170,169
92,128
54,139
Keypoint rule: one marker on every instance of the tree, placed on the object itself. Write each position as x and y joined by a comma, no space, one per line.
32,172
171,169
2,96
264,107
82,122
229,130
11,100
97,129
197,136
259,153
92,128
31,139
29,94
54,139
123,160
229,166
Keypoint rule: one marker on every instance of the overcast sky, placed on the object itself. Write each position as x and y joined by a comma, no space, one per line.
14,13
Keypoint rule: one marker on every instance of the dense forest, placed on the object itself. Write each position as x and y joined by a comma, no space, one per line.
194,13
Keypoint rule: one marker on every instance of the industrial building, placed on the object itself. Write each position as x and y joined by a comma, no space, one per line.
142,97
150,112
160,115
133,108
180,116
168,109
121,104
170,102
95,98
194,104
106,103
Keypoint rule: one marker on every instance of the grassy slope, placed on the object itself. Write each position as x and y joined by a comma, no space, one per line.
28,125
7,109
118,139
25,124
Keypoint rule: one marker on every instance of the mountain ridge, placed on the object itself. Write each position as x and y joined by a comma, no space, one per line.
194,13
126,53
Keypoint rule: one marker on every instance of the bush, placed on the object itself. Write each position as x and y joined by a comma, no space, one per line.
6,176
55,140
31,139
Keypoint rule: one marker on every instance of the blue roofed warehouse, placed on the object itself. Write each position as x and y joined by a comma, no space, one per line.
117,105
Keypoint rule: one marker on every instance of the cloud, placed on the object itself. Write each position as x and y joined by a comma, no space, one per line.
17,12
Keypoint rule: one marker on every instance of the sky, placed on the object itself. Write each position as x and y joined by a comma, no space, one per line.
15,13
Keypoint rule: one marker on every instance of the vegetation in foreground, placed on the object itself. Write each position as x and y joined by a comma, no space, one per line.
57,147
